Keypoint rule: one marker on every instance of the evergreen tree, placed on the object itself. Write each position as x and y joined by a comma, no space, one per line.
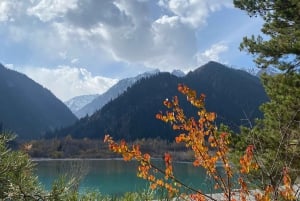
17,181
276,136
279,46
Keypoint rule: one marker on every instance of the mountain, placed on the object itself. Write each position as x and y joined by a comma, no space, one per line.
178,73
78,102
111,94
27,108
233,94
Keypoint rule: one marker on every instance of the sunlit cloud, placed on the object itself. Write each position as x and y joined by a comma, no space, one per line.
123,31
47,10
194,13
212,54
117,38
66,82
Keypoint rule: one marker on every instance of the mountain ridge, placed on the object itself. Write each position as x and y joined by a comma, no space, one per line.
112,93
233,94
28,108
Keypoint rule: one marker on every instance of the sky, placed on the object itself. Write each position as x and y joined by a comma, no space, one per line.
77,47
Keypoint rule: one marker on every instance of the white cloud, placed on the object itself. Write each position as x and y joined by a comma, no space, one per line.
63,55
8,9
98,32
126,30
174,42
212,54
4,10
194,12
131,35
66,82
75,60
47,10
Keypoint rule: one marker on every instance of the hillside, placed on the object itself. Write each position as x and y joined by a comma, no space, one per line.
27,108
98,102
233,94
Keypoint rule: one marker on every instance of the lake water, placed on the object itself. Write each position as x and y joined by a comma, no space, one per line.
115,176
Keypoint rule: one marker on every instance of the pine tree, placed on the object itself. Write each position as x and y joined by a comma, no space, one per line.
17,181
276,136
279,46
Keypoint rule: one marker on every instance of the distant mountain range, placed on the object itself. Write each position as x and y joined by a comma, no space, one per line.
77,103
234,95
178,73
97,102
88,104
27,108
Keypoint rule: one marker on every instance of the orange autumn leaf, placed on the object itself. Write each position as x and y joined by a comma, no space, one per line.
199,134
287,191
211,116
197,197
246,161
167,103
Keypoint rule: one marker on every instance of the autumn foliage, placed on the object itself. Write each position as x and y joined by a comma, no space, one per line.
211,150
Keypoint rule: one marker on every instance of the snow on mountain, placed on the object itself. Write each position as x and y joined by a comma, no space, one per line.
268,71
78,102
111,94
178,73
258,71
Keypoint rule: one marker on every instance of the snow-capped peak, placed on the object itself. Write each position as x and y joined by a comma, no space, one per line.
178,73
79,102
112,93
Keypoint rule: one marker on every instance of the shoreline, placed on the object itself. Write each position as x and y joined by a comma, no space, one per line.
219,164
74,159
97,159
106,159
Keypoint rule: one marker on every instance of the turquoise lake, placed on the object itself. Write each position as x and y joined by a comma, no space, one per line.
115,177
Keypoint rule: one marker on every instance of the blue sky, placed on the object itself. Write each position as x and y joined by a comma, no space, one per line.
76,47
